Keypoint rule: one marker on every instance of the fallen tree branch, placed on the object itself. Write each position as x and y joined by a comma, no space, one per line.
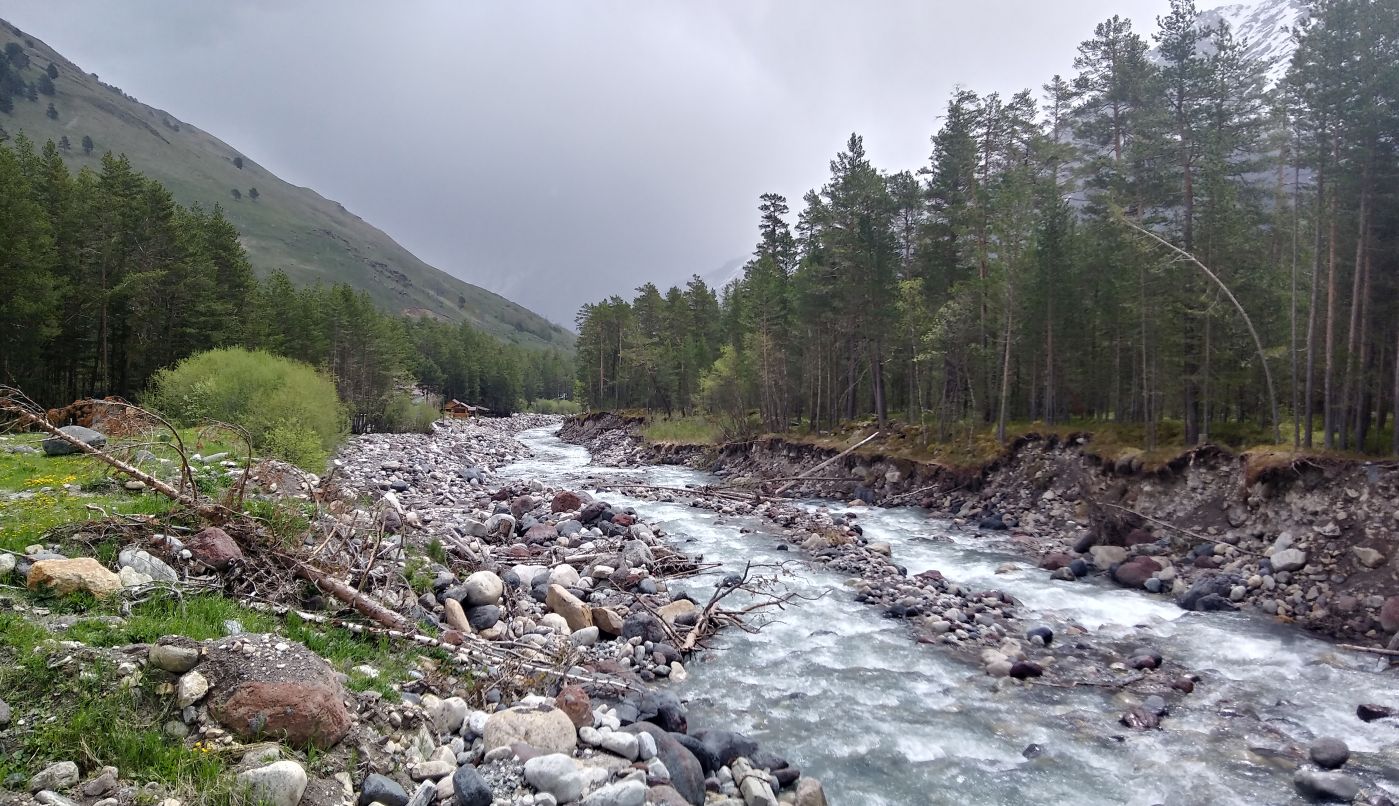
784,488
12,401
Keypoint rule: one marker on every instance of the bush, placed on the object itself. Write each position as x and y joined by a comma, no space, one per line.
290,409
403,415
547,406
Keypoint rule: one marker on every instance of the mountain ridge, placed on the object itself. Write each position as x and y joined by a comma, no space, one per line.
282,226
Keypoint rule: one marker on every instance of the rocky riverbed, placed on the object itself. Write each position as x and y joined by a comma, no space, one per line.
1163,686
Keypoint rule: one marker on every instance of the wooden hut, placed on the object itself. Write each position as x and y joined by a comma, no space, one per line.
458,410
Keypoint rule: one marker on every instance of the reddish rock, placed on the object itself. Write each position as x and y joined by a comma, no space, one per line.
1206,561
264,687
520,505
623,519
566,501
453,637
213,547
1138,537
541,533
1055,560
574,701
301,714
1135,572
1389,614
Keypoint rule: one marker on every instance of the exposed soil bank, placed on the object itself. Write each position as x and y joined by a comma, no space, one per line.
1306,540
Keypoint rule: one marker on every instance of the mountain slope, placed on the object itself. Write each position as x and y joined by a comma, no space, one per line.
292,228
1266,25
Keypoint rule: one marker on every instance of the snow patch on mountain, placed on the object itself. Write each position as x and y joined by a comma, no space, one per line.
1266,28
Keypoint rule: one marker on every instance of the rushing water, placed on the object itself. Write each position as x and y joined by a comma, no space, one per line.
848,697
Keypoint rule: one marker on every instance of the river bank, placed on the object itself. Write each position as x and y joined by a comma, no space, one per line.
1308,541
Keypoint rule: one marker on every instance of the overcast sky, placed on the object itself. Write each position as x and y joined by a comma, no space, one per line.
559,152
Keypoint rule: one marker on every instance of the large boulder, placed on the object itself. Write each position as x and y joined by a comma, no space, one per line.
1288,560
482,588
574,611
53,446
1328,787
1135,572
686,774
264,687
72,576
547,730
281,783
142,562
566,501
214,548
1389,614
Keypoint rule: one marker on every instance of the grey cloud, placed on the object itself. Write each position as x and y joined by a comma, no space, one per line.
560,152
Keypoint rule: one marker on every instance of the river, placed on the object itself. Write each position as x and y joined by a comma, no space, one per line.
849,697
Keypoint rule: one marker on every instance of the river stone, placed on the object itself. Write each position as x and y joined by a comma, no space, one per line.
1389,614
1135,572
214,548
686,774
631,792
574,611
643,625
564,575
5,714
266,687
1105,557
1288,560
382,789
1334,787
810,793
278,784
57,776
142,562
469,788
70,576
176,659
483,617
53,446
670,612
709,762
555,774
1368,557
456,616
482,588
549,731
1329,753
190,689
1367,712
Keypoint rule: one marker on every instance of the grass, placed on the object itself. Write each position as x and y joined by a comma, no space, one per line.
92,717
694,430
46,483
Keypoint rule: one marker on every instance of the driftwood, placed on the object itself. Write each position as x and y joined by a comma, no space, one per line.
1391,653
14,402
1172,526
813,471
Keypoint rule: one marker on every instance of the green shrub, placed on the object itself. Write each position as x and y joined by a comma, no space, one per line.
290,409
547,406
403,415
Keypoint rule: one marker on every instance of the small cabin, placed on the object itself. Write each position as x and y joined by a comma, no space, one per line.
458,410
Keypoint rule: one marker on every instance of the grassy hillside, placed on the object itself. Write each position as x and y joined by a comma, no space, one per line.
293,228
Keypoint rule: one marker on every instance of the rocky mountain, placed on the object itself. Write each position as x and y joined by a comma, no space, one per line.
1265,26
312,238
